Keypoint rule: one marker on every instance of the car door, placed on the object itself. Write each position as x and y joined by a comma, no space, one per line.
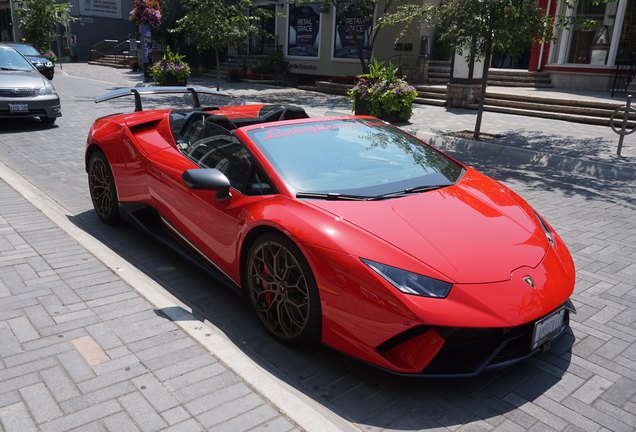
206,221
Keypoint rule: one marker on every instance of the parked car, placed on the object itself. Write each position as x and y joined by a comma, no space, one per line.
44,65
24,91
344,230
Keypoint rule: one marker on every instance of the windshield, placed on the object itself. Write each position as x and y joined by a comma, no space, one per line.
27,50
364,157
12,61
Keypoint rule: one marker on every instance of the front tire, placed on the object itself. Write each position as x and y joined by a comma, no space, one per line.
282,290
101,185
48,120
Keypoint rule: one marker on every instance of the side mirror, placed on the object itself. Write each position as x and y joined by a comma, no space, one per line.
207,179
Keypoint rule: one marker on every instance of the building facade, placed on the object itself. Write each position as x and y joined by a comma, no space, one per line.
96,20
586,54
327,41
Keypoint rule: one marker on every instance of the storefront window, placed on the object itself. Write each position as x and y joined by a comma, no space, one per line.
303,37
352,32
592,33
627,43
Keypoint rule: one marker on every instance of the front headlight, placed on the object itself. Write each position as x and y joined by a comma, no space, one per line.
410,283
546,230
47,89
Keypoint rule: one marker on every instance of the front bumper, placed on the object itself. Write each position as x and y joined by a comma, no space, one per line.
468,352
39,106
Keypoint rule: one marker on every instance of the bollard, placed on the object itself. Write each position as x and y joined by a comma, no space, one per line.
625,110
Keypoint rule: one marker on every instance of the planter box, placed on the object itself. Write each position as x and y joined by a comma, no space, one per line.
392,117
173,81
362,107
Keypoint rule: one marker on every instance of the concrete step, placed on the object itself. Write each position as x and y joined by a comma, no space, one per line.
580,111
432,95
423,100
535,105
432,89
551,101
438,81
551,115
534,84
332,88
110,64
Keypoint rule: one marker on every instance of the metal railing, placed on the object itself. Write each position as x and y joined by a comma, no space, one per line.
624,74
413,66
118,50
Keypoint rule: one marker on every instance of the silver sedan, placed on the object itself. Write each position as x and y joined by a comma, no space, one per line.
24,92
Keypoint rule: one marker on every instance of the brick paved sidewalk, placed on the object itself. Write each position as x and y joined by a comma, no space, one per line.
81,350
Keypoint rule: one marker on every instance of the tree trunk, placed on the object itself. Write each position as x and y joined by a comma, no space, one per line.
218,69
484,84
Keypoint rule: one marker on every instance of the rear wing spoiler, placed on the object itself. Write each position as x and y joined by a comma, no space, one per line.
195,91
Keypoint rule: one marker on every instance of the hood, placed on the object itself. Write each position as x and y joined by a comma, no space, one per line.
22,79
472,232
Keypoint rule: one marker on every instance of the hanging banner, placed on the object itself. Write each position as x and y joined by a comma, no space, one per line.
303,35
102,8
145,36
352,31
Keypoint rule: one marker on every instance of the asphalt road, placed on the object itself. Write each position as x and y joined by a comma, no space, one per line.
586,382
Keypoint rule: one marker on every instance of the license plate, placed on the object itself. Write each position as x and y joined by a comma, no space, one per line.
548,327
18,107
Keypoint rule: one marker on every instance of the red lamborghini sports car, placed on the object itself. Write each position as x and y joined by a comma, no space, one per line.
341,230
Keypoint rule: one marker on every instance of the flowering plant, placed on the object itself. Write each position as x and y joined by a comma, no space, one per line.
171,69
50,55
384,92
146,12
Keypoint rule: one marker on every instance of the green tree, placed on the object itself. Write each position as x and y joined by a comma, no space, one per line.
213,24
477,28
39,20
173,11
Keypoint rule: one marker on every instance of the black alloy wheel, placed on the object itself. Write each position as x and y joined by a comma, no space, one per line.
102,188
283,291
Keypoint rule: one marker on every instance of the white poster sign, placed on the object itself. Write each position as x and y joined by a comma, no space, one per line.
101,8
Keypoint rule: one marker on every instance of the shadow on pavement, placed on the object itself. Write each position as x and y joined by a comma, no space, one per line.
592,148
23,125
359,393
543,178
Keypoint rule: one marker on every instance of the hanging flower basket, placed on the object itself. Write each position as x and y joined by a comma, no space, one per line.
146,12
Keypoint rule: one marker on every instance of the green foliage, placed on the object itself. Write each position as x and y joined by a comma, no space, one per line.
384,91
39,19
213,24
171,65
173,10
50,55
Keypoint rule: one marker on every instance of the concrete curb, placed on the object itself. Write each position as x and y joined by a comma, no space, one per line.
564,163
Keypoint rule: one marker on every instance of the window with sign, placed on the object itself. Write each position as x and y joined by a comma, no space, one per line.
303,34
352,31
592,32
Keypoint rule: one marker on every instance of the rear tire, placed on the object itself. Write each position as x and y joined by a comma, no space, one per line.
282,290
101,185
